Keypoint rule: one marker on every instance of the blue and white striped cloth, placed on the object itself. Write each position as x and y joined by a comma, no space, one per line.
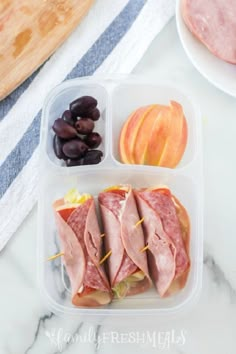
112,38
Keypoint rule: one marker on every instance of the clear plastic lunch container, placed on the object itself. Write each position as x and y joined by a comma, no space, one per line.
117,97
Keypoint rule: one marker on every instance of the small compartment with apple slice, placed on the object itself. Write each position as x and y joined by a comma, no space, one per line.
156,125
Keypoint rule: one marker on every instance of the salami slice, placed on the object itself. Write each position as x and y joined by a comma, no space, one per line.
161,250
81,243
167,255
124,239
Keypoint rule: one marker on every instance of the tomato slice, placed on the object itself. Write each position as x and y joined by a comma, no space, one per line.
86,291
65,213
121,192
165,191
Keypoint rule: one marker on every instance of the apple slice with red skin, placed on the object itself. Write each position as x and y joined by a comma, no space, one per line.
141,140
154,135
158,137
177,137
128,134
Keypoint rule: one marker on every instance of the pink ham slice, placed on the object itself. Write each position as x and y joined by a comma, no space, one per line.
165,233
73,258
161,250
213,22
80,238
119,215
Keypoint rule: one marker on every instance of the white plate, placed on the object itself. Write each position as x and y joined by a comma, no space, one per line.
216,71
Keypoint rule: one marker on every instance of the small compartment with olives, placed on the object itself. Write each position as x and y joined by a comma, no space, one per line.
77,125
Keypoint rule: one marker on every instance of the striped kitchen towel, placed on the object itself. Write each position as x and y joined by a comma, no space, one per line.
112,38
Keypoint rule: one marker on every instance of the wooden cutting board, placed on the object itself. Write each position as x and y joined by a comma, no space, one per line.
30,31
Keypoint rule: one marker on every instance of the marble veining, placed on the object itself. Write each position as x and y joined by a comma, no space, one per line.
219,277
98,330
41,323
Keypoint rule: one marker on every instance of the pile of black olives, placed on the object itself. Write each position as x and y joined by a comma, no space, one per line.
75,141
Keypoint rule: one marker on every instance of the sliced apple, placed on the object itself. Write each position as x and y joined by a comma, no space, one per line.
129,132
177,137
157,137
154,135
141,140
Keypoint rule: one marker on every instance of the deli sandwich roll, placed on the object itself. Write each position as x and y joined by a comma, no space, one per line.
81,244
167,231
124,239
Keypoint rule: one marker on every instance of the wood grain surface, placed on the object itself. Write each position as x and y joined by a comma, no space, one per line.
30,31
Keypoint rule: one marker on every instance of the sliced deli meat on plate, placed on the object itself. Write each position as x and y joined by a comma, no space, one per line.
166,228
213,22
127,264
81,244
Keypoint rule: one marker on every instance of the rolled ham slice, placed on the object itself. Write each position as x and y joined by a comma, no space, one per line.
127,265
166,229
213,22
80,240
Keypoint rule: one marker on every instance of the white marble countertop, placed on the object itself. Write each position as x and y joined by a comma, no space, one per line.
28,327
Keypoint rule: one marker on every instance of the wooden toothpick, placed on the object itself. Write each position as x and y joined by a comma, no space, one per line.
55,256
144,248
139,222
105,257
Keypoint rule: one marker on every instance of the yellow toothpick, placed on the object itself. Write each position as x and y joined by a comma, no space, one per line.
139,222
105,257
144,248
55,256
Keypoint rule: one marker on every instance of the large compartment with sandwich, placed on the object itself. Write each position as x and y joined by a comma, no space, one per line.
184,182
